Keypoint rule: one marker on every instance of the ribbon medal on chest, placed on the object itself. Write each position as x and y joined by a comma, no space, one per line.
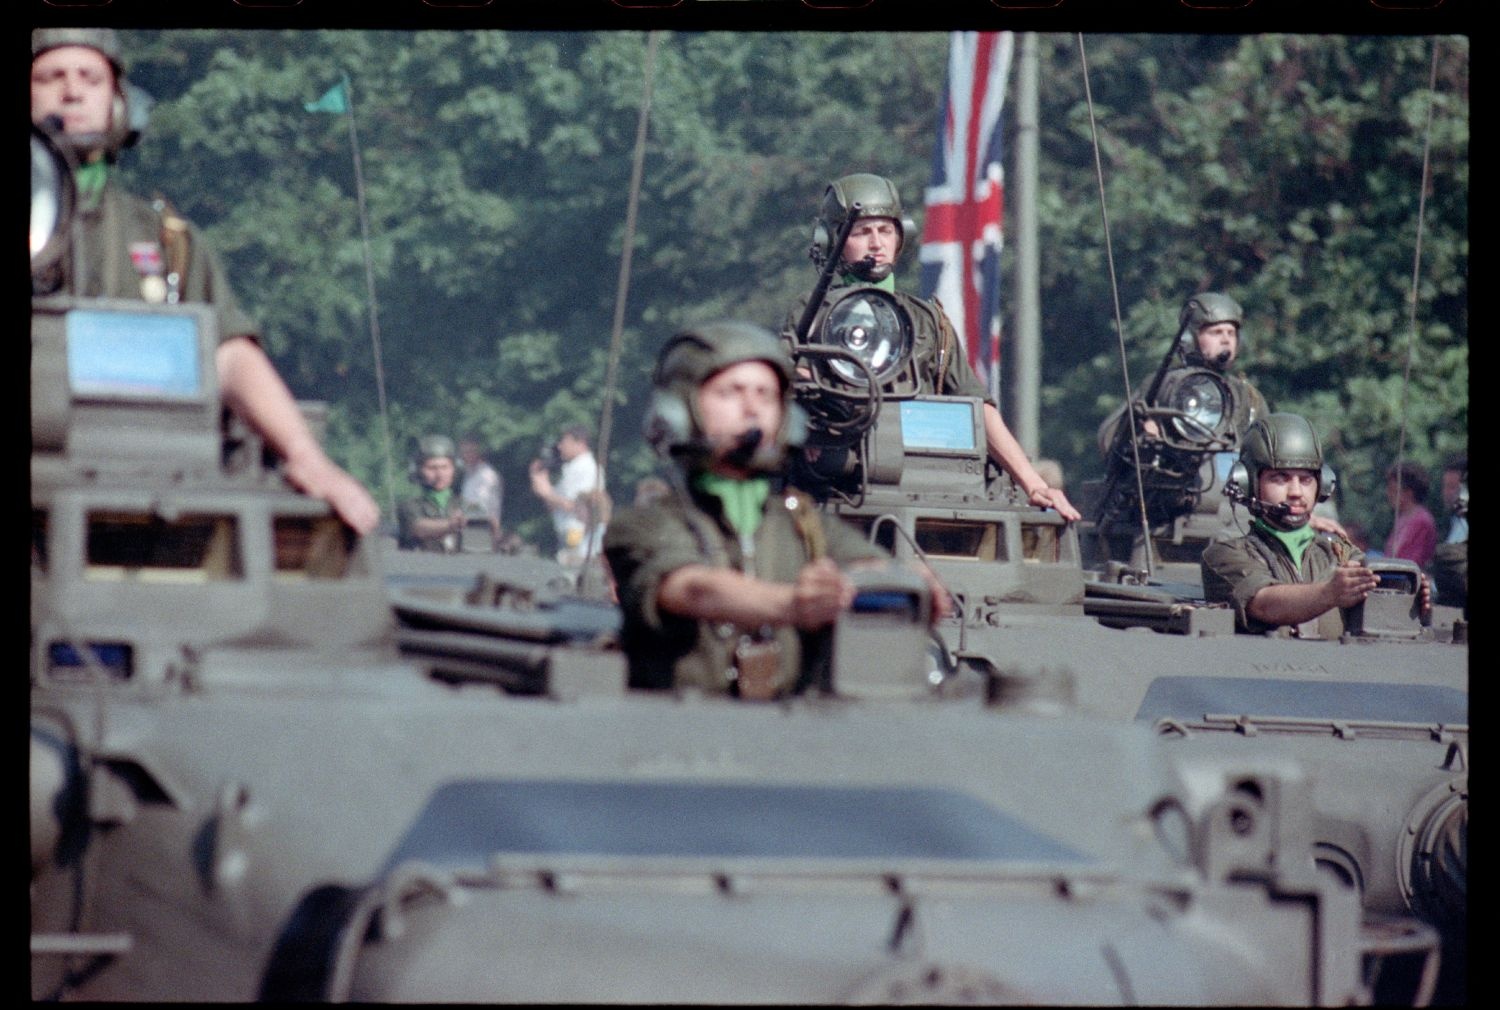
147,259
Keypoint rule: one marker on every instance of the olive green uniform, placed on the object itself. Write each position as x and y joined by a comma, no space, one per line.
1235,568
936,348
422,506
117,252
645,545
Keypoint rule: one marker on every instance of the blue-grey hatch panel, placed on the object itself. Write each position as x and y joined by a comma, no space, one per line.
1195,697
465,822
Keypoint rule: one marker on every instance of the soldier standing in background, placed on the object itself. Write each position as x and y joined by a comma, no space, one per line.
434,519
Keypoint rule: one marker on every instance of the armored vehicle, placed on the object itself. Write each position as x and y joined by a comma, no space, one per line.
1379,718
240,790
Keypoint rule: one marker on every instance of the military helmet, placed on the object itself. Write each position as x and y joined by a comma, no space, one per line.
427,447
687,360
1202,310
104,40
131,108
1281,442
876,196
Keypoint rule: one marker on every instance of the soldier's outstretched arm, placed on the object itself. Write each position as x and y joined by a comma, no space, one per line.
1293,603
1009,454
253,390
707,593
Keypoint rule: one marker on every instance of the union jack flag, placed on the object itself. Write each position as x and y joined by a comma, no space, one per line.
961,239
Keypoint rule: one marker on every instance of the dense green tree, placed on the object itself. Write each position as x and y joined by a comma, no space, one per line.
1285,170
496,167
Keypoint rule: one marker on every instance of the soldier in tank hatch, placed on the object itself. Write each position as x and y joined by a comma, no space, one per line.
125,247
434,519
1210,335
869,256
1285,573
732,582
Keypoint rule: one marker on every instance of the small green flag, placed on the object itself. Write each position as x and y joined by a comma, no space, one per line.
333,101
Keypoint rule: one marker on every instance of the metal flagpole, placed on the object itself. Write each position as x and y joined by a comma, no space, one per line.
1028,369
364,233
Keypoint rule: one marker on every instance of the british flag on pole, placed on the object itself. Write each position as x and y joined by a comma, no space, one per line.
962,238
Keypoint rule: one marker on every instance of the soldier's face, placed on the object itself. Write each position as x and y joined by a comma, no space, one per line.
736,399
437,473
1219,339
873,236
1298,488
76,84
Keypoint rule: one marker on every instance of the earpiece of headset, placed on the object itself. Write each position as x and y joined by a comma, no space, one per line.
1239,479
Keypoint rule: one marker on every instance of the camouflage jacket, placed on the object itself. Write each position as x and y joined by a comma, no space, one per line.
1235,568
933,337
644,545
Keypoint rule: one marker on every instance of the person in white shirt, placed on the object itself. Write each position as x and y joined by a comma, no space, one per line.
482,487
576,499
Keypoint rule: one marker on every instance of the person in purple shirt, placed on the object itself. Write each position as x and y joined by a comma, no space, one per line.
1414,535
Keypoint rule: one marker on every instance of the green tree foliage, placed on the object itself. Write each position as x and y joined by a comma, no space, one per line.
1285,170
496,169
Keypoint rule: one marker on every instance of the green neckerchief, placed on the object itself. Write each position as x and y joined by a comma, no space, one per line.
744,500
440,498
886,283
1295,541
90,178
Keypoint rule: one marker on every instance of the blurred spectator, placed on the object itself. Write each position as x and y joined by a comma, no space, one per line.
482,488
1450,561
1360,537
579,506
1414,534
1455,497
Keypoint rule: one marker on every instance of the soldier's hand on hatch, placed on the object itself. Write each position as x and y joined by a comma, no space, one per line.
821,593
1053,498
1350,583
322,478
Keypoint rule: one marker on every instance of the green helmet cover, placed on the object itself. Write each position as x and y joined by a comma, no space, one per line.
432,446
